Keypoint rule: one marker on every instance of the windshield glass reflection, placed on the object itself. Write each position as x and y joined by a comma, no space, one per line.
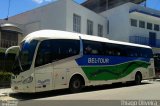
24,60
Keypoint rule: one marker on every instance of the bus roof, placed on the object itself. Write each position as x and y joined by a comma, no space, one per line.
56,34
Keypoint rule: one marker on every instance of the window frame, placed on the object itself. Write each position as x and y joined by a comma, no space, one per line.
100,30
149,26
142,24
76,23
133,22
156,27
89,27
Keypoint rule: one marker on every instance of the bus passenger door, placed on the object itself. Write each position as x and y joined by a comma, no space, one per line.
44,67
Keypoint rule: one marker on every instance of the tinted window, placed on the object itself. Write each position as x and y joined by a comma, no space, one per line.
147,53
65,48
54,50
109,49
92,48
156,27
139,52
134,22
124,50
44,54
149,26
112,49
141,24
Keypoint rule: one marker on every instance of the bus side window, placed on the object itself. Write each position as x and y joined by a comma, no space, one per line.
88,50
44,54
112,49
64,48
92,48
130,52
107,49
48,57
148,53
39,60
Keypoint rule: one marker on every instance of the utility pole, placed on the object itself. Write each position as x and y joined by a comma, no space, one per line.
9,3
145,3
106,4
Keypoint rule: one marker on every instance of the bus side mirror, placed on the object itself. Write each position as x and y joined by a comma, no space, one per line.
10,56
12,49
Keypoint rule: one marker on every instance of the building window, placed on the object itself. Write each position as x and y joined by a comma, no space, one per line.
100,30
141,24
108,27
76,23
156,27
8,38
89,27
134,22
152,39
149,26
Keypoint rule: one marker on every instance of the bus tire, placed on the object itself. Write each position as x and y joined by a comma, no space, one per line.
76,84
138,78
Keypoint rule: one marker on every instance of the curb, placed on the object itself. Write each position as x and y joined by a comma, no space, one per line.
2,95
4,87
158,80
5,91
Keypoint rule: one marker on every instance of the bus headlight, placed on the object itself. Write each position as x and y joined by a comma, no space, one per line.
28,80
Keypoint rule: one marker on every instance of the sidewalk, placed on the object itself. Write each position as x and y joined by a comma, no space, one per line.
5,91
158,80
153,80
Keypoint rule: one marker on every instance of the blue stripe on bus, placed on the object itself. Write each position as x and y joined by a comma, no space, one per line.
89,60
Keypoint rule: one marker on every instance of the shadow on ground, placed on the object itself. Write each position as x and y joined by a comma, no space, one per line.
24,96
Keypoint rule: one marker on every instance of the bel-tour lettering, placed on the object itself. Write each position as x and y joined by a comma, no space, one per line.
98,60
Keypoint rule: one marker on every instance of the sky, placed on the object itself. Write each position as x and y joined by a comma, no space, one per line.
20,6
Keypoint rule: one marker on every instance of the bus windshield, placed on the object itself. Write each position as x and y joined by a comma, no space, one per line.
26,54
24,60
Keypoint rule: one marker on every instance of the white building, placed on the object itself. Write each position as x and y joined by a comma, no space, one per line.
64,15
134,23
128,22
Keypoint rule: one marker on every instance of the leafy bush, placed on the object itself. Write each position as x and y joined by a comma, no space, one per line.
5,77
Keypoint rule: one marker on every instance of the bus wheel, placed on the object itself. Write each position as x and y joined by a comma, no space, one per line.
138,78
76,84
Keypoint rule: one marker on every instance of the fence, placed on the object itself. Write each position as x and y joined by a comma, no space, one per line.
145,41
7,43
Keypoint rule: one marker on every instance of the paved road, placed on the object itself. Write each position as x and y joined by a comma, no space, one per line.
149,90
146,91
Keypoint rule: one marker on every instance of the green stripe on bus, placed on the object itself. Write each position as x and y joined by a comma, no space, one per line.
112,72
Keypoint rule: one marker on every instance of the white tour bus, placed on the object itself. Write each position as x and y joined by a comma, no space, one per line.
50,60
